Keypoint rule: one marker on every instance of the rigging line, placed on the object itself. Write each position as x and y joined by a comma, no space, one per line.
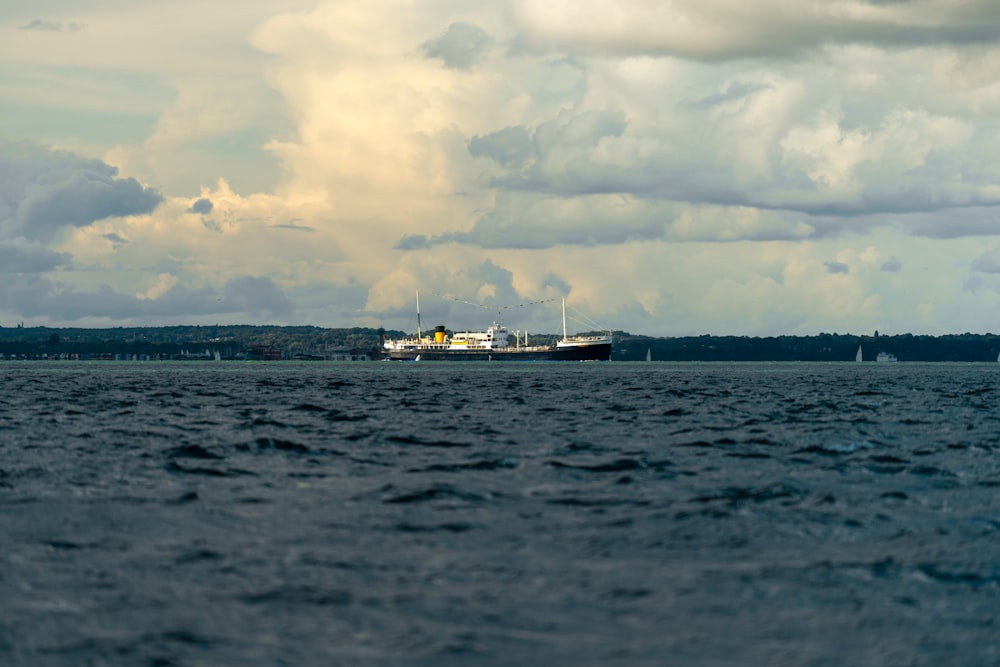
586,321
488,306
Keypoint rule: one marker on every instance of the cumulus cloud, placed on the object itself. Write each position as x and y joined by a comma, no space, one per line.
460,47
820,170
667,161
43,192
23,256
509,147
50,197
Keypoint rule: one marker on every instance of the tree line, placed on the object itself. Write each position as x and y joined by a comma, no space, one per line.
822,347
234,341
231,341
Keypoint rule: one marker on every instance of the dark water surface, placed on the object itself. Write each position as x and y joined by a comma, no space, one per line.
507,514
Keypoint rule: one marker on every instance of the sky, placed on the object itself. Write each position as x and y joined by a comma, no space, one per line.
669,167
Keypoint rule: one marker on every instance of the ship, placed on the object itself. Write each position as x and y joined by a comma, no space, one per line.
494,345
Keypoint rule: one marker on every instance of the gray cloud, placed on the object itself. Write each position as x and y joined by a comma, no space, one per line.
527,221
717,32
257,296
34,295
518,224
533,235
202,206
460,47
509,147
413,242
24,256
892,265
462,306
42,192
294,226
733,92
836,267
986,263
968,221
598,152
556,282
568,160
52,26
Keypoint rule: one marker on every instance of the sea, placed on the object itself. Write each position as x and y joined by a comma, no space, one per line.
446,514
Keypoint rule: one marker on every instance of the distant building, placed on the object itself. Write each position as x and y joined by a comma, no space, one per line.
264,353
347,354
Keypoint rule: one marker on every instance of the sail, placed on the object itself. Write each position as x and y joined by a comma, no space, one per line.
649,355
857,357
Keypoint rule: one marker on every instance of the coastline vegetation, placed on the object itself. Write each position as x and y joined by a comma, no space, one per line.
310,342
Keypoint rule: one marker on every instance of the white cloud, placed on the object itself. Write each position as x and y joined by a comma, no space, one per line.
673,166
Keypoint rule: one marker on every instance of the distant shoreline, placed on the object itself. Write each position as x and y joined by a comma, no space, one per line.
272,342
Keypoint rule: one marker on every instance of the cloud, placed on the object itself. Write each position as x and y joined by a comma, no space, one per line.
23,256
116,239
733,92
52,26
986,263
528,221
258,296
43,192
509,147
295,227
36,296
958,223
821,169
719,31
202,206
460,47
677,164
419,241
892,265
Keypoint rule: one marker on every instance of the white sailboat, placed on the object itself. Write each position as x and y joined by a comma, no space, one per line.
858,357
649,355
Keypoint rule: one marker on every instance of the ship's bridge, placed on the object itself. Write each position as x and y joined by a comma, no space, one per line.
494,338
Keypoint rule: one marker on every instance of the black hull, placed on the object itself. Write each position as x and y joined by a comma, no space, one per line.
581,353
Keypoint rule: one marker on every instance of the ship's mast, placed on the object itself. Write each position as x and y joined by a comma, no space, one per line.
564,318
418,315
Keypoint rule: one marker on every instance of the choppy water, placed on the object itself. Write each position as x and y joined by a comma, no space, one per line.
425,514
